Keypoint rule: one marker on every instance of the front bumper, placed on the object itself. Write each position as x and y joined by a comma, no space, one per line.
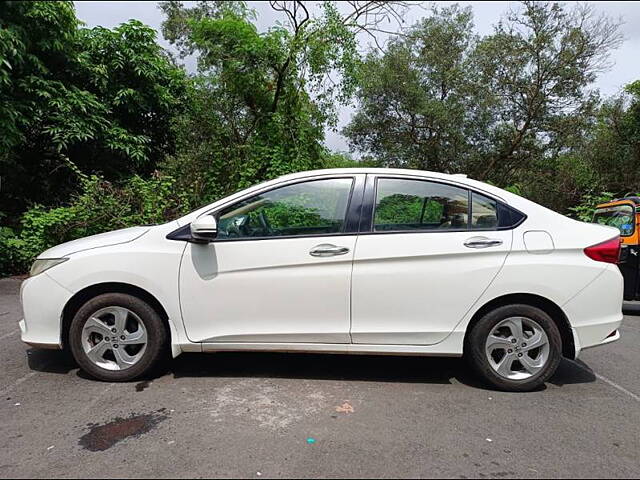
43,300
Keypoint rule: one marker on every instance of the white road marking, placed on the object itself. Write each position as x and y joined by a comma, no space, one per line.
10,334
611,383
617,387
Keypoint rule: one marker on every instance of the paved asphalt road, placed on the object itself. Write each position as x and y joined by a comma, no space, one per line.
274,415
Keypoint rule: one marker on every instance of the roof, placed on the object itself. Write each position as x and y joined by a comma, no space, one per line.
372,170
460,179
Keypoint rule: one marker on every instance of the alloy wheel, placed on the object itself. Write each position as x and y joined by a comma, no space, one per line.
517,348
114,338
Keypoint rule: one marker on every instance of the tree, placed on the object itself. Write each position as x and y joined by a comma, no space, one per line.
539,64
96,98
613,149
142,91
33,39
418,103
511,108
262,99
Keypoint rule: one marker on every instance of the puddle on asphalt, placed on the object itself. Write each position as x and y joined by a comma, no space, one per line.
103,437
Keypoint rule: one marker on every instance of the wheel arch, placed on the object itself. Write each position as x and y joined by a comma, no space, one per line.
87,293
549,307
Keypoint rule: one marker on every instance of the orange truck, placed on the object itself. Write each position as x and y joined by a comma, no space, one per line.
624,214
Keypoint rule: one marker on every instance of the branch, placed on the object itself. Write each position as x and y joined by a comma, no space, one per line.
291,9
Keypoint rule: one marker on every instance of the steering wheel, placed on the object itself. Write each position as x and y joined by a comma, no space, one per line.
237,227
264,223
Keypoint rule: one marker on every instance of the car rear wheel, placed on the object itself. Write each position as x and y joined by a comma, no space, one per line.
117,337
515,347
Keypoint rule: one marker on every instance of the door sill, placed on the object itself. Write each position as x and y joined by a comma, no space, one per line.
450,347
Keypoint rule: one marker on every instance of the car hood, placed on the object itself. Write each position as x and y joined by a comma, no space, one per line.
106,239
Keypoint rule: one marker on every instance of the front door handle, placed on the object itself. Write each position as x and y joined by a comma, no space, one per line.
482,242
327,250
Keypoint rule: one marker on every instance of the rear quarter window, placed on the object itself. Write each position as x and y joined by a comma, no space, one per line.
490,214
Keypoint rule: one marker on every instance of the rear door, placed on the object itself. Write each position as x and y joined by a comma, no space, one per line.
426,252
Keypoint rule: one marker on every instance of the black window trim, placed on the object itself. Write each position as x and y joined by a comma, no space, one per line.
371,191
360,209
350,225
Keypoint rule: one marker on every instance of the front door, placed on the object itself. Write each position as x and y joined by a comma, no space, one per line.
425,261
279,270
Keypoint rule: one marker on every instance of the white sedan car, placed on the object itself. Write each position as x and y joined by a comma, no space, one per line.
369,261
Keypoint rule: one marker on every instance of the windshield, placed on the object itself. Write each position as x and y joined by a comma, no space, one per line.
619,216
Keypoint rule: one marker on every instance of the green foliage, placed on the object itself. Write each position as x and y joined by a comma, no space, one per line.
100,97
419,104
584,210
100,129
613,149
407,209
139,86
512,107
286,214
262,99
89,116
342,160
34,39
99,207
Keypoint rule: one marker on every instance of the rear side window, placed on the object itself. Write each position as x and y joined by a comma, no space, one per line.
419,205
484,212
422,205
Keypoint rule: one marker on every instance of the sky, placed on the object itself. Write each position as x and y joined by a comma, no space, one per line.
625,69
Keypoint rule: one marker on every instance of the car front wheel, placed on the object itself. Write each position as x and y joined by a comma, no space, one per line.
515,347
117,337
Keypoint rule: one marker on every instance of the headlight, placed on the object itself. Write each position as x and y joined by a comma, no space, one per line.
42,264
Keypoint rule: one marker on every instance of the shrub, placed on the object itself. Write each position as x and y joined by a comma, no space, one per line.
584,210
101,206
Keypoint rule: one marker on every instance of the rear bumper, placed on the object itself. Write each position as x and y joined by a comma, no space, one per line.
612,337
595,313
43,300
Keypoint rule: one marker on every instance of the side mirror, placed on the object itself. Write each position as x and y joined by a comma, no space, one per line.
204,229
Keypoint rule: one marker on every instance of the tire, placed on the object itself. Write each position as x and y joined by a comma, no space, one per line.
487,357
102,356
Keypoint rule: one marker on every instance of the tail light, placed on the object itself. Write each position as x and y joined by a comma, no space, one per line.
608,251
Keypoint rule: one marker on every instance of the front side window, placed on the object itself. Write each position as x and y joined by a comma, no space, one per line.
316,207
419,205
620,216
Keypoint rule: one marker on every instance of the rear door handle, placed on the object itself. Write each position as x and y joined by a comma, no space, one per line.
327,250
482,242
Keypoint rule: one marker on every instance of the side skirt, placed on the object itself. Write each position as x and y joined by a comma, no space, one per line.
450,347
